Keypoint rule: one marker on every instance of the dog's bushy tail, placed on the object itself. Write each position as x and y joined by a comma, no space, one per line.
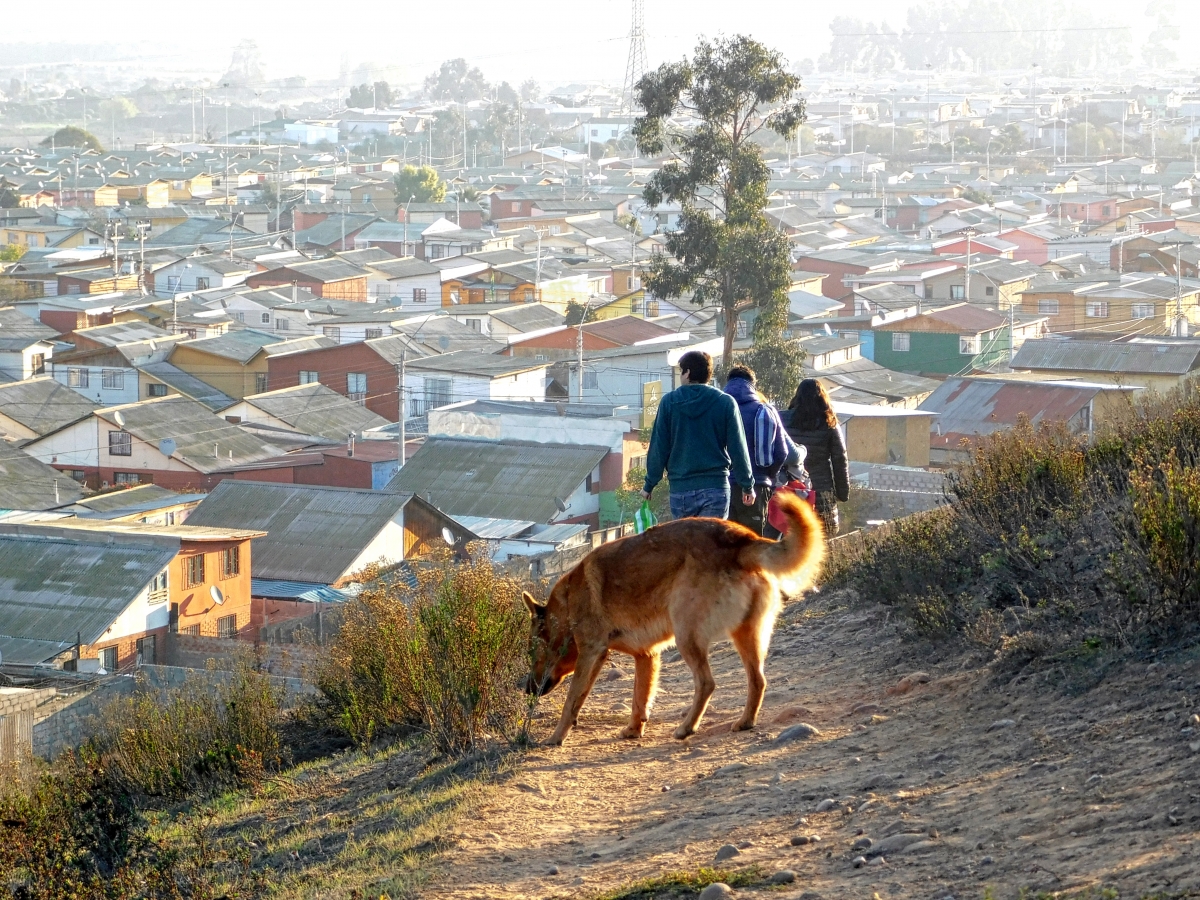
795,560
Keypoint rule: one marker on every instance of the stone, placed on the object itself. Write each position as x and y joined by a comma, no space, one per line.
908,682
919,847
1194,746
716,891
1095,779
799,840
665,788
783,876
858,862
863,843
731,768
877,781
826,805
896,843
553,870
986,861
745,845
877,861
865,709
809,895
727,851
801,731
1001,724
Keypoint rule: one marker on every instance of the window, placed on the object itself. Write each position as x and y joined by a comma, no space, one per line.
266,318
201,283
260,382
436,251
190,630
231,562
172,283
455,297
356,385
900,341
126,478
108,659
145,651
516,207
77,378
589,380
281,324
112,379
474,324
968,344
957,292
420,295
227,627
76,474
37,363
437,393
332,331
989,291
239,316
158,587
309,377
193,570
1107,210
120,443
372,333
1048,307
651,309
156,390
1142,311
1096,309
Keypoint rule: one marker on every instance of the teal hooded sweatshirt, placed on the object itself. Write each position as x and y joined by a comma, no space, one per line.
697,438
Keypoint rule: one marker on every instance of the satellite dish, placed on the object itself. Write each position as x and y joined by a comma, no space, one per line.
444,342
215,593
560,408
167,446
119,419
308,314
562,505
448,537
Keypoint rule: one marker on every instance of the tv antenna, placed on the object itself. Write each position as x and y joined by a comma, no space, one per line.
636,66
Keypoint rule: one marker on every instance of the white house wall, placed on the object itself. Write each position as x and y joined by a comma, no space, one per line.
386,547
139,617
127,393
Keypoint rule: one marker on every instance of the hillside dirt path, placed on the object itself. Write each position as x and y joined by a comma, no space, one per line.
1009,785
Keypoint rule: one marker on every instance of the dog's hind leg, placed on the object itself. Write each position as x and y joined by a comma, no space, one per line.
750,639
645,680
695,654
587,668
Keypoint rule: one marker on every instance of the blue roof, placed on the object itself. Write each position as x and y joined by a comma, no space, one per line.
296,590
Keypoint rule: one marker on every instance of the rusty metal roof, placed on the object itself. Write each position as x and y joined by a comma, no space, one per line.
1166,358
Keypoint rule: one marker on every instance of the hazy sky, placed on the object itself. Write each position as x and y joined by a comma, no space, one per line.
551,42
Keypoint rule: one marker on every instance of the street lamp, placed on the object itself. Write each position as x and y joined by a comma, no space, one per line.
406,205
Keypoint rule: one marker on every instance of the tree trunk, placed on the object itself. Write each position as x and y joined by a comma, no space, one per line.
731,320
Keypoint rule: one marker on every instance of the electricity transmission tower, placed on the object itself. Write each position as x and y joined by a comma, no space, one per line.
635,68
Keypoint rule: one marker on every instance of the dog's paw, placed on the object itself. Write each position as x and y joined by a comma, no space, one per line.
743,725
684,732
554,741
631,732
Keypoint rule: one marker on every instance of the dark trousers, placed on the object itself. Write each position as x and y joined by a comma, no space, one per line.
753,516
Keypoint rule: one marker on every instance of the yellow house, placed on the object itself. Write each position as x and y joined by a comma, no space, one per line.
234,363
156,193
630,304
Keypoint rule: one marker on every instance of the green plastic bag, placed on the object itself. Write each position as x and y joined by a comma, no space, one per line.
644,518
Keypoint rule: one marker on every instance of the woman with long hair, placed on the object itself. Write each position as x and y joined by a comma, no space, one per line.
811,422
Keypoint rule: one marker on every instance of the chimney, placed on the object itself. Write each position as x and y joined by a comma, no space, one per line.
350,444
295,292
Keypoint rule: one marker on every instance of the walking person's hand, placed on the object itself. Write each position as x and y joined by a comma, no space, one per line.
747,498
645,495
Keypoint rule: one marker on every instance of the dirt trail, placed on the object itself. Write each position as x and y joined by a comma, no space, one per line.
1013,786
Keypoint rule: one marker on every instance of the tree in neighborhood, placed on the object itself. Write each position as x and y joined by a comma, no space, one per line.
530,91
506,93
370,96
9,199
724,252
458,81
421,184
579,314
73,136
11,252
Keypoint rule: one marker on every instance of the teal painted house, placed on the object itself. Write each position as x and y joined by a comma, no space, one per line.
953,340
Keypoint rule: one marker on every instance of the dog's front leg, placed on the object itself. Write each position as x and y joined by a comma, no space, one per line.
645,680
587,668
695,655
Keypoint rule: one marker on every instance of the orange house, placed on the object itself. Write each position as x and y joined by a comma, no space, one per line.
92,595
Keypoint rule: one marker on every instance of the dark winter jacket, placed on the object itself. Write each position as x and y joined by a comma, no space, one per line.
826,460
768,443
697,438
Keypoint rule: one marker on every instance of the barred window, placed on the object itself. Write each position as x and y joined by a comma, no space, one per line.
120,443
901,341
77,378
112,379
231,564
193,570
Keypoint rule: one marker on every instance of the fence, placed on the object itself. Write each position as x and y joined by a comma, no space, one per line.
17,709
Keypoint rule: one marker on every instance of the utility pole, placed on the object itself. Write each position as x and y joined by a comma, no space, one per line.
967,273
579,352
143,227
402,412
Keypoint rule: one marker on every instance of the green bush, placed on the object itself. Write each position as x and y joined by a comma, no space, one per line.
1049,542
444,657
216,731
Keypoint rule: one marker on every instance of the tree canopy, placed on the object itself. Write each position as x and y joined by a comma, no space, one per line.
370,96
73,136
724,251
422,185
456,80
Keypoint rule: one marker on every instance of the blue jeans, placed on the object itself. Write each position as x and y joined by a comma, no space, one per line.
712,502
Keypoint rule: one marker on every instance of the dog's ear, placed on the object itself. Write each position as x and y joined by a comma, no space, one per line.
535,608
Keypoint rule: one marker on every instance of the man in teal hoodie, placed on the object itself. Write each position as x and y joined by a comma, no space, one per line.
698,439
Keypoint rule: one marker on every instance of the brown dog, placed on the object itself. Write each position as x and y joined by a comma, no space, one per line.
691,581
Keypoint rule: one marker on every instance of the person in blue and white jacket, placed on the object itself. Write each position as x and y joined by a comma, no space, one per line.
769,445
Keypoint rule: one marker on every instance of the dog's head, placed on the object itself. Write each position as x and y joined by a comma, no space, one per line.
553,651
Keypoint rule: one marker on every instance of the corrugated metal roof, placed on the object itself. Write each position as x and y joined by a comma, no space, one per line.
1105,357
473,362
296,590
313,533
204,441
122,333
187,384
42,404
315,409
26,652
404,267
241,345
54,586
529,316
497,479
968,407
28,483
489,529
126,497
18,331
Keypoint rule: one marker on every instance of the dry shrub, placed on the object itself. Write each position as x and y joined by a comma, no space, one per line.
216,730
444,656
1166,510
